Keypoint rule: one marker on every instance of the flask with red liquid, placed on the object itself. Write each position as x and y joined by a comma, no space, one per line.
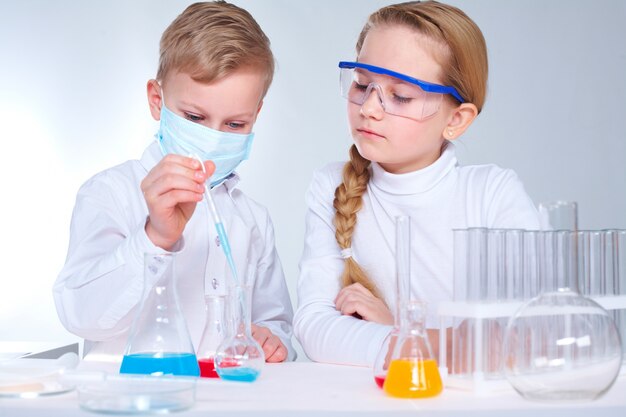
403,282
213,335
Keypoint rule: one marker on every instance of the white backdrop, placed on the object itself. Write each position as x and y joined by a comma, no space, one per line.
72,102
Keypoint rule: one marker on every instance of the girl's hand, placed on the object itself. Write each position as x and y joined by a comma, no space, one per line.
273,348
172,189
356,299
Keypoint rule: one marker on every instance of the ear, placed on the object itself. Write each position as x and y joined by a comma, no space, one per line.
154,99
462,117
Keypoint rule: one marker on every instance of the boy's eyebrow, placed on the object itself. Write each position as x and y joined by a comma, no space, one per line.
201,110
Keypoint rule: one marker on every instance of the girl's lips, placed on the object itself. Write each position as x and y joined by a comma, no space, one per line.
369,133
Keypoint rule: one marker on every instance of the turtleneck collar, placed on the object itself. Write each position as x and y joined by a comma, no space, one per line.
415,182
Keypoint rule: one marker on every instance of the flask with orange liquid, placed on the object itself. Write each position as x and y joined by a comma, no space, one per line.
413,371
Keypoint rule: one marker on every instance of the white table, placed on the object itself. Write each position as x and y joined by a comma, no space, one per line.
311,389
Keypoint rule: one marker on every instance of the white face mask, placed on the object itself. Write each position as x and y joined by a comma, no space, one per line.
180,136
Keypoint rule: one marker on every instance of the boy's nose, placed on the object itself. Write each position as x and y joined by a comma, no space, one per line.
373,104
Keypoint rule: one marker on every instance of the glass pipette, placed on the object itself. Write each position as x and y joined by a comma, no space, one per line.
219,226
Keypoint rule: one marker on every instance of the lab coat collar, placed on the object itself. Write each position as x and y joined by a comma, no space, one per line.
415,182
152,155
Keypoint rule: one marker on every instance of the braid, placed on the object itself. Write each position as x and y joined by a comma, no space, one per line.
348,201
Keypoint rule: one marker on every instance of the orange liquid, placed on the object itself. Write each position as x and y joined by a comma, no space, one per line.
408,378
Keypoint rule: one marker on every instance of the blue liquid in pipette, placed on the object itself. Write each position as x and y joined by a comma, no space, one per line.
238,374
160,364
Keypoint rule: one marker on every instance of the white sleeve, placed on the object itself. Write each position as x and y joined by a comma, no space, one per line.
271,305
325,334
509,206
102,278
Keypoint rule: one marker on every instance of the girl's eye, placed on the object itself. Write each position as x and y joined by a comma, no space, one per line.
361,87
193,117
401,99
235,125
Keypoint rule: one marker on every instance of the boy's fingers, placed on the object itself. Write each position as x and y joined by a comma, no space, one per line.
279,355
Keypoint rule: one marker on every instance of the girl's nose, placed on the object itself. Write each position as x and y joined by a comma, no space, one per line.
373,105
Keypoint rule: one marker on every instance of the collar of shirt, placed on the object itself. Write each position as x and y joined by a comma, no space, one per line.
152,155
415,182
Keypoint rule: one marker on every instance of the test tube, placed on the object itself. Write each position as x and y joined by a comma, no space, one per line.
514,254
620,284
596,258
477,264
609,263
530,265
565,260
496,278
546,258
582,247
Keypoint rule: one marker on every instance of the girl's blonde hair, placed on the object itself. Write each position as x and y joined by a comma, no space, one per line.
211,40
463,59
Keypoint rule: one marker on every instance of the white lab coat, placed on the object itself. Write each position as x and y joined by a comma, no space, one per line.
98,292
438,198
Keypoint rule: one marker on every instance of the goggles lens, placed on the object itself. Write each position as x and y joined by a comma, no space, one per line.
396,96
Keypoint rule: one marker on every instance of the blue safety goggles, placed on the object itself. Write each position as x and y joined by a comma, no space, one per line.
398,94
424,85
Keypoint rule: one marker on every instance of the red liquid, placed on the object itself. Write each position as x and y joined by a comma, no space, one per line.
380,380
207,368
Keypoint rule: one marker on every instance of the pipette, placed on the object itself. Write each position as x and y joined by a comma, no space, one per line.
219,226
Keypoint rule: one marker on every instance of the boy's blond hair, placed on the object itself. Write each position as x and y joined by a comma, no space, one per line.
211,40
463,58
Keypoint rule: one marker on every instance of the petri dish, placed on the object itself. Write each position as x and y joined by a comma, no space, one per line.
32,378
136,394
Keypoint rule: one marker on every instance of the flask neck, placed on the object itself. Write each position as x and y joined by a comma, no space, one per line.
242,321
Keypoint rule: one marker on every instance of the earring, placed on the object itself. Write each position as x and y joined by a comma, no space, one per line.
450,132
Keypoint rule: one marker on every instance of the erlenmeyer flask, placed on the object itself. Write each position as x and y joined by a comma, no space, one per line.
240,357
403,277
561,345
215,331
413,372
159,342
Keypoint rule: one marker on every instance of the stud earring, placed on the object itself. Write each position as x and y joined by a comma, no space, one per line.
450,132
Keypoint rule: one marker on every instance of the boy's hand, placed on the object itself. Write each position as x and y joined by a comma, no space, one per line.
273,348
356,299
172,189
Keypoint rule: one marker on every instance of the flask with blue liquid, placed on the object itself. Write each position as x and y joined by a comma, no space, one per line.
159,342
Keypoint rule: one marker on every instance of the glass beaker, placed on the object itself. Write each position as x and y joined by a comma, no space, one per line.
413,371
159,342
215,331
240,357
561,345
559,215
403,283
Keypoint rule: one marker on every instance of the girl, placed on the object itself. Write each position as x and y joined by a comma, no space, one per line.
418,83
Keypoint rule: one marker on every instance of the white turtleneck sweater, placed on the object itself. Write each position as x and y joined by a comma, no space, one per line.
439,198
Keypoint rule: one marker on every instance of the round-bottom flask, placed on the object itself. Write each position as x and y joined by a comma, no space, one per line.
413,371
240,357
562,346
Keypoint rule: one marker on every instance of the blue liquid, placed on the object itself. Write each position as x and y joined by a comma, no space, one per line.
163,364
238,374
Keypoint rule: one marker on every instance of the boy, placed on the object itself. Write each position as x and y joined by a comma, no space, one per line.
215,67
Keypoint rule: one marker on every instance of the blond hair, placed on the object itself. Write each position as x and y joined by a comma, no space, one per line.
211,40
462,56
